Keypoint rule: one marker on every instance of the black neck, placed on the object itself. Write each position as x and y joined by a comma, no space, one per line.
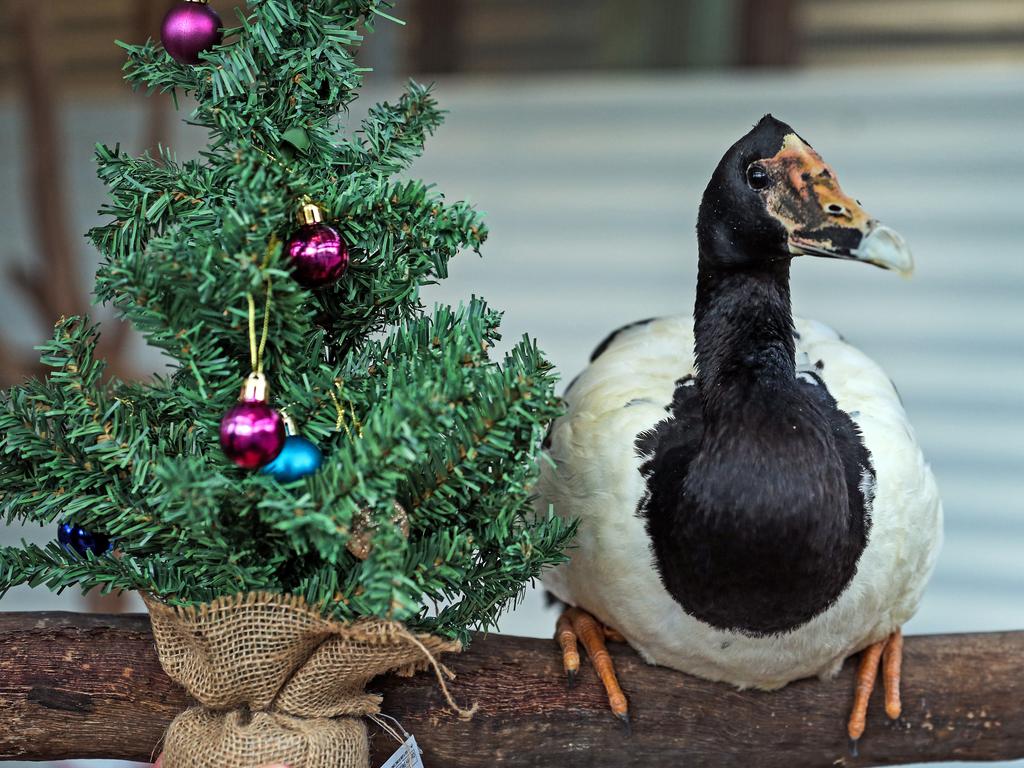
743,327
763,528
755,412
753,405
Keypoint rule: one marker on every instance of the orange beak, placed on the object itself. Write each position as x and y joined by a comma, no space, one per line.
821,219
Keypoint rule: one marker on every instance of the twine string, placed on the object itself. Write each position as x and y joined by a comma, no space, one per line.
256,350
379,720
441,671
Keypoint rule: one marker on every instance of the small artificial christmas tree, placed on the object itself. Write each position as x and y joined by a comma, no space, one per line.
403,504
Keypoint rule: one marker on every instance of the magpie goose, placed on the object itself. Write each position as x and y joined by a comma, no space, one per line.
753,506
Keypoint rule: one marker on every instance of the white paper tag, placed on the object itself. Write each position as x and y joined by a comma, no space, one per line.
407,756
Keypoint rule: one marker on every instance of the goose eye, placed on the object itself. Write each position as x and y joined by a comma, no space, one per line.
757,176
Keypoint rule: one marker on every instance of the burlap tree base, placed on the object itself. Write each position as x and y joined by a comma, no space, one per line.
277,681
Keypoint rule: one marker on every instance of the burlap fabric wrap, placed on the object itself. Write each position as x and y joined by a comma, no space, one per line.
277,682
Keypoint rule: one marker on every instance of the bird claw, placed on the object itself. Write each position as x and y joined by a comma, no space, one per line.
627,724
576,624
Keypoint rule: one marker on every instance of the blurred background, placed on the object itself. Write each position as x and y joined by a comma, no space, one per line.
587,129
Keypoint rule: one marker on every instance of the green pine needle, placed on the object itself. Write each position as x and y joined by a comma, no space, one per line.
428,417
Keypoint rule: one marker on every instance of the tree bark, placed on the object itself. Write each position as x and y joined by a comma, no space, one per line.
78,686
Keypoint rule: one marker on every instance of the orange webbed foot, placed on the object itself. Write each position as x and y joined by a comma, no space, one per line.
575,625
888,655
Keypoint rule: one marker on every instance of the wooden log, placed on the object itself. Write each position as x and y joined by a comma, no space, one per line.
74,685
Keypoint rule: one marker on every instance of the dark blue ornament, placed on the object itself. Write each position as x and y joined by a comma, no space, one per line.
297,459
75,538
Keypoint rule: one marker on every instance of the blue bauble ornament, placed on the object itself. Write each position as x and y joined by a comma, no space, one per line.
297,459
75,538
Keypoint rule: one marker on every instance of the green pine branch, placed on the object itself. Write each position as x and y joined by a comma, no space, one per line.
406,405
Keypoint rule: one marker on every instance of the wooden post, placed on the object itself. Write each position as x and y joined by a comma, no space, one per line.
769,36
55,286
438,44
156,132
52,283
74,685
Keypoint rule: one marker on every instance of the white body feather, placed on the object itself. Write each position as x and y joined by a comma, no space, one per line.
612,571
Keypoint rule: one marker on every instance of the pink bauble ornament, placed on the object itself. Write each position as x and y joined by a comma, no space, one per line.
316,253
252,433
190,28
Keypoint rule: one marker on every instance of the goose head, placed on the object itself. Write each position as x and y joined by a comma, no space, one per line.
772,197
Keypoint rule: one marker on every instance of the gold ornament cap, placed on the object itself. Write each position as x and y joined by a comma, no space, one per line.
310,214
289,424
256,389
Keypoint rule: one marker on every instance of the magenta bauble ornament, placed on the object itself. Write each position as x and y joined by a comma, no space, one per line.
252,433
316,253
190,28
